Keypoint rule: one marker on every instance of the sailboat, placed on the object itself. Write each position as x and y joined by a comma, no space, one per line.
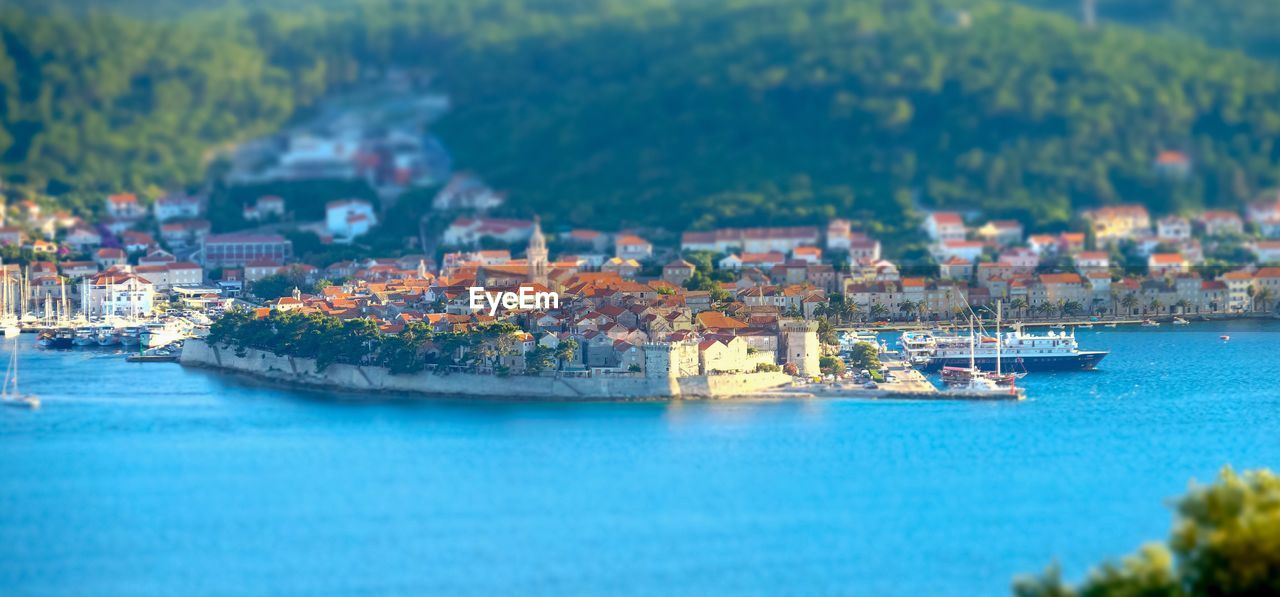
10,396
962,375
981,384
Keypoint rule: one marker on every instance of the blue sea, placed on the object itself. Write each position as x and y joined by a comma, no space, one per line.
150,479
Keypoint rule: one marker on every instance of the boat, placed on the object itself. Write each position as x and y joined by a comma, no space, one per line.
979,384
56,338
1180,321
1109,325
131,336
1150,323
1022,352
158,334
85,336
1085,326
985,388
1224,338
10,395
108,336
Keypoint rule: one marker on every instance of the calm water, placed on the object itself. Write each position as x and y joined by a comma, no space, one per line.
151,479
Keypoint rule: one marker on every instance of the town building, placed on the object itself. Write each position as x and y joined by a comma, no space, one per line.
347,219
177,206
750,240
238,249
630,246
945,226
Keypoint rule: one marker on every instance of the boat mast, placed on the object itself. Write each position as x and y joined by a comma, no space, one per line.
999,340
973,349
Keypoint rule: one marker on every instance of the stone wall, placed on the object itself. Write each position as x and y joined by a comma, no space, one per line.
197,353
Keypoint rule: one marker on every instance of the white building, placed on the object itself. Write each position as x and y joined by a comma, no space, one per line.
944,226
1173,228
469,231
968,250
118,294
1267,251
176,207
347,219
466,191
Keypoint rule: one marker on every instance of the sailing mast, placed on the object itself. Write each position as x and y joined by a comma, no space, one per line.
999,340
972,347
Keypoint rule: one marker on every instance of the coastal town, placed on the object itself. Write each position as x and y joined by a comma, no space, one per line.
726,301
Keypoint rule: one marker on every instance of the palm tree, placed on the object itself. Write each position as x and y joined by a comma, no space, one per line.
1263,296
1156,305
907,306
878,311
1182,305
850,310
1070,307
1129,302
1019,305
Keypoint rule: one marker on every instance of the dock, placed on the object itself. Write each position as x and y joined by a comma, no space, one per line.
152,358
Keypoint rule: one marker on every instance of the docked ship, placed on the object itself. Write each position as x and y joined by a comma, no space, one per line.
1022,352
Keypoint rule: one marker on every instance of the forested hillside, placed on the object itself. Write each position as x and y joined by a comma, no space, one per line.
674,112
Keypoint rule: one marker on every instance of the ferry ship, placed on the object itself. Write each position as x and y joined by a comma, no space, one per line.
1022,352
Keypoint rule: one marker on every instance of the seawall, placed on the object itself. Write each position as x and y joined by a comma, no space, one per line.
291,370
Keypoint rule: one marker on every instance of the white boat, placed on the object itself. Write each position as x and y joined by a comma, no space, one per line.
1108,325
1150,323
1180,321
85,336
108,336
10,396
11,330
980,384
1086,326
1224,338
1054,351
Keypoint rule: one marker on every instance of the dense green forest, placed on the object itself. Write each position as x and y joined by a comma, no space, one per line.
676,112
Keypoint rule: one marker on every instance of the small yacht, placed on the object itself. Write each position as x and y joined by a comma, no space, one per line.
1150,323
131,336
85,336
108,336
1180,321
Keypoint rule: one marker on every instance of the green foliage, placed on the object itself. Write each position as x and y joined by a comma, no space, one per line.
865,355
680,114
329,340
1226,541
282,284
831,365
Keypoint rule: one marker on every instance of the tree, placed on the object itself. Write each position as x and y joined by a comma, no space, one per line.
1019,305
827,332
541,358
830,365
1129,302
1225,541
865,355
1263,299
878,311
565,351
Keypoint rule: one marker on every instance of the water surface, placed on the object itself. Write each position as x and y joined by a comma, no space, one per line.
151,479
